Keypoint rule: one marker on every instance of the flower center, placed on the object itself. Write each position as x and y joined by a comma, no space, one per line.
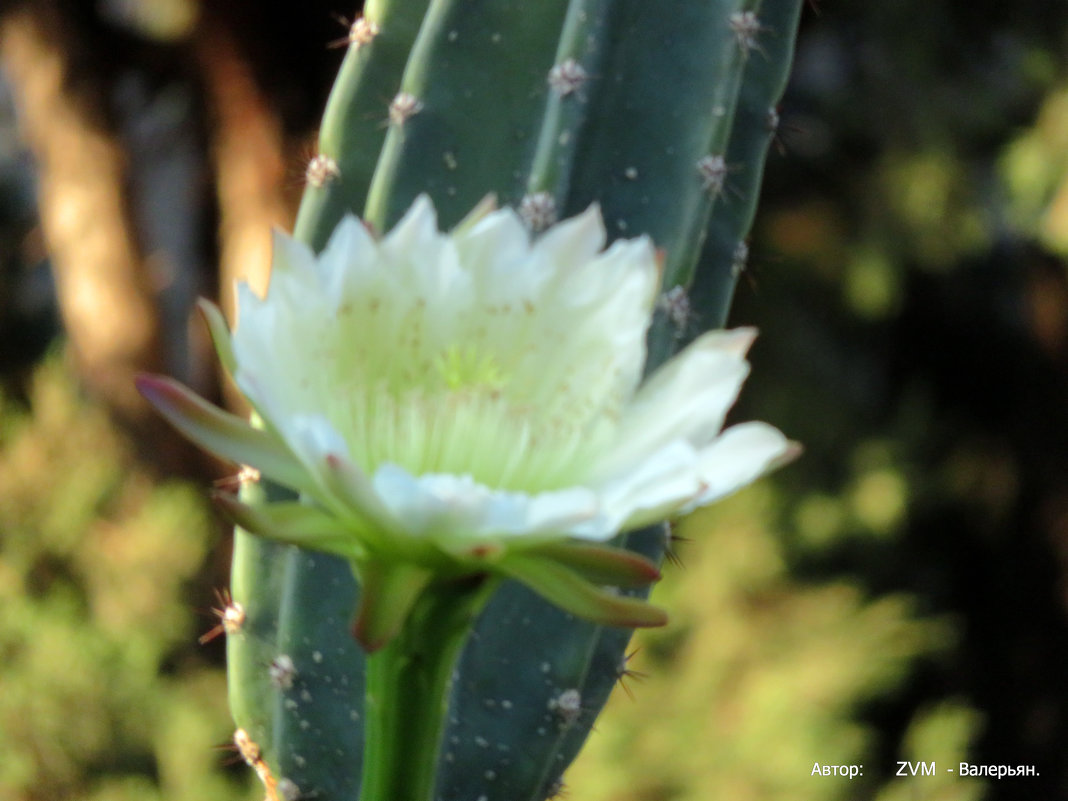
457,415
466,367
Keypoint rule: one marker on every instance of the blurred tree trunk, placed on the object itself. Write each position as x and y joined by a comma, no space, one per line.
104,290
141,146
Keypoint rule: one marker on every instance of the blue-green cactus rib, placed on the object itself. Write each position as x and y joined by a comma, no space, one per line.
605,663
579,61
318,712
479,73
256,583
504,732
505,716
355,120
724,251
664,102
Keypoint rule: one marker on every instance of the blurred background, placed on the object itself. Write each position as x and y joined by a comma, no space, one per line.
900,594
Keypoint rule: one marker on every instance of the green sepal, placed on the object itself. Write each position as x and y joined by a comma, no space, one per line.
601,564
220,334
388,592
571,592
293,523
221,432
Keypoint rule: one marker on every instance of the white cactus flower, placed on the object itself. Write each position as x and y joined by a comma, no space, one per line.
466,398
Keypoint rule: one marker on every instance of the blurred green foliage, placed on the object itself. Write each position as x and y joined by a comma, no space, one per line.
758,676
102,696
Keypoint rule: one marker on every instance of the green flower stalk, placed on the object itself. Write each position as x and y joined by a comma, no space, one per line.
469,404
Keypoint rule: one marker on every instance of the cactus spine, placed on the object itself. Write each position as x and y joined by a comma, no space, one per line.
659,112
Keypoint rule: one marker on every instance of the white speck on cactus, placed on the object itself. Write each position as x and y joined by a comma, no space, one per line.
773,120
538,210
676,304
567,705
288,790
403,107
282,671
321,170
362,32
713,173
567,77
740,258
745,25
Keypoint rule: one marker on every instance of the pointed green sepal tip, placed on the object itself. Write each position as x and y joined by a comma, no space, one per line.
220,333
573,593
601,564
224,434
388,592
292,523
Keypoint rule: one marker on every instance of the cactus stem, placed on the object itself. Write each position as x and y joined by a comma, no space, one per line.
408,682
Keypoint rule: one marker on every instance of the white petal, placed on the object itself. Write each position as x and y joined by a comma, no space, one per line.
655,489
455,510
572,241
581,351
493,250
289,255
679,478
739,456
688,398
415,234
350,253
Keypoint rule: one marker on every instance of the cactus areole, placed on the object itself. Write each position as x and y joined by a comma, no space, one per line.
464,404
